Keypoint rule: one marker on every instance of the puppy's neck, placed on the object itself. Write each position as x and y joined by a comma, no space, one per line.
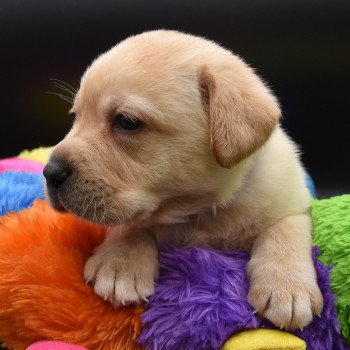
180,208
221,192
230,181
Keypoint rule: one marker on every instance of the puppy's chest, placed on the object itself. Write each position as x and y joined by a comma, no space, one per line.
229,232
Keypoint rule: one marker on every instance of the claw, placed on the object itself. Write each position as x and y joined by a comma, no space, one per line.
144,299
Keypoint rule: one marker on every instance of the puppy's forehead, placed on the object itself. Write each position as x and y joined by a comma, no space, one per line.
141,67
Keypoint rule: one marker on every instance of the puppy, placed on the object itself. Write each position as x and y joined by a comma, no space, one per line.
176,140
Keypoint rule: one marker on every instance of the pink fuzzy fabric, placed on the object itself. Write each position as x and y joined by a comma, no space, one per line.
19,164
54,345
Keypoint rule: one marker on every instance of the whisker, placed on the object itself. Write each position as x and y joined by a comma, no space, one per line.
178,202
84,203
92,199
121,212
104,207
62,87
94,219
74,208
113,211
63,97
51,186
63,83
101,200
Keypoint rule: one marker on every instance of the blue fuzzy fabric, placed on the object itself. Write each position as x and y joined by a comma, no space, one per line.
18,190
310,185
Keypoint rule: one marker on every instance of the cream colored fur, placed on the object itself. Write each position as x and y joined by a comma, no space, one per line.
211,167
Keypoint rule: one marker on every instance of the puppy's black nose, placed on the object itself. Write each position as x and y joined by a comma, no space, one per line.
57,172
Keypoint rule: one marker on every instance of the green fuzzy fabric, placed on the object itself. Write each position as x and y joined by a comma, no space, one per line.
332,236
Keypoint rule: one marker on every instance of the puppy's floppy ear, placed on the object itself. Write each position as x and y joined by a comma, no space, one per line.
242,111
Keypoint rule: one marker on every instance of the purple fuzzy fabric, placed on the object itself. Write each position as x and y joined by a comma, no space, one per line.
201,300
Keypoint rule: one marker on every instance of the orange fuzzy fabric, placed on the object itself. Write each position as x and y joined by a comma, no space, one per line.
43,294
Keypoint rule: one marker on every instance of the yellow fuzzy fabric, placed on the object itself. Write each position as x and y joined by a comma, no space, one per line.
40,154
264,339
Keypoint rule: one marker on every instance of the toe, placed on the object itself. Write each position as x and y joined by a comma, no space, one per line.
302,313
279,310
91,268
144,288
316,301
259,299
104,283
125,292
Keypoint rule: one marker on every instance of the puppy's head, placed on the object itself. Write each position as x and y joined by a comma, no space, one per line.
162,120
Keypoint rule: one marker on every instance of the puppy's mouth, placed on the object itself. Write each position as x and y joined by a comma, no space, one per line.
62,200
55,200
101,209
91,206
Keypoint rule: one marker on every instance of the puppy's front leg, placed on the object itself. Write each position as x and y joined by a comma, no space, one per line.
124,267
283,283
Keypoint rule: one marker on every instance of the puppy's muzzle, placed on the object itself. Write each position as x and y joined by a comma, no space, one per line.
56,172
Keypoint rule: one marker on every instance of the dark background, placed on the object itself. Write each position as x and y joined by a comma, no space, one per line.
302,48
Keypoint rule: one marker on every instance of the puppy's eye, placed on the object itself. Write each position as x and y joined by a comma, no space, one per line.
125,123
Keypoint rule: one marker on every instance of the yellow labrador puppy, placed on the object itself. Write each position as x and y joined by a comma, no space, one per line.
176,140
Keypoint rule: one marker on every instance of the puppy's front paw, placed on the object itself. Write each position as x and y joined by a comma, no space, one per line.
121,279
284,298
